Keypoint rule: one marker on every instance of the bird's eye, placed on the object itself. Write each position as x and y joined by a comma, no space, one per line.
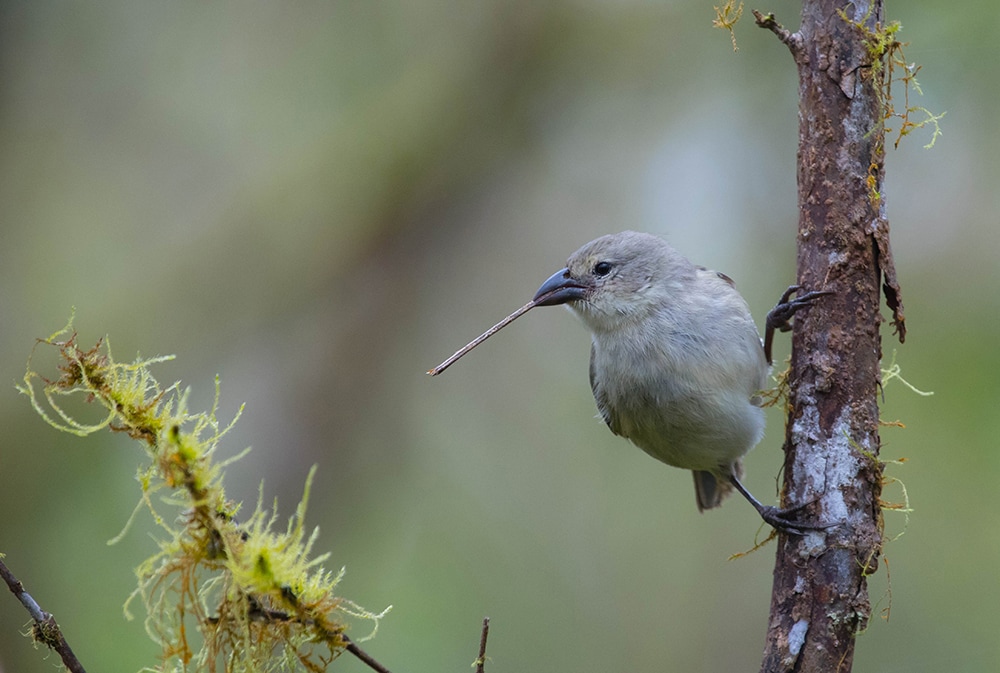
602,269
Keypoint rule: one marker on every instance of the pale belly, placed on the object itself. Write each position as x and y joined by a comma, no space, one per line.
695,433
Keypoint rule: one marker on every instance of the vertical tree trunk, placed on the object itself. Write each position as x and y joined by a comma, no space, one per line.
820,597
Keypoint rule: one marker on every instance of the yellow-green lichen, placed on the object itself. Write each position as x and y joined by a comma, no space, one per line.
888,66
726,18
244,594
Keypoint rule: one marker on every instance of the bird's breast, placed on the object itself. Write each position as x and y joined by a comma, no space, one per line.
677,402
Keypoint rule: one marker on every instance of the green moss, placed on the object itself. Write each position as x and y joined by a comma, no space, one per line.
888,66
247,593
726,18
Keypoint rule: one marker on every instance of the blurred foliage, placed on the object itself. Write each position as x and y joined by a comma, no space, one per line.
321,202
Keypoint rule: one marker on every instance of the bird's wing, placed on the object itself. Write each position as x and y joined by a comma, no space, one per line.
603,406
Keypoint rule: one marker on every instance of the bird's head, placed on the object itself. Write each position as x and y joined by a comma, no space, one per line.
613,282
615,279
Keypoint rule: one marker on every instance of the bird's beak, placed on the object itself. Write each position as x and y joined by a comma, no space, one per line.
559,289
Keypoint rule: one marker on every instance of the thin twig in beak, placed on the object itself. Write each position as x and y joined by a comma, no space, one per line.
484,336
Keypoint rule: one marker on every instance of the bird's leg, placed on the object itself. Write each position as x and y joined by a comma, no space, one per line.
776,517
778,318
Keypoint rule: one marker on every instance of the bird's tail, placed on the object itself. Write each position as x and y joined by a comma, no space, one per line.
711,489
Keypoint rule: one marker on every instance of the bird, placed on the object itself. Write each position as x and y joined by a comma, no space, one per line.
677,365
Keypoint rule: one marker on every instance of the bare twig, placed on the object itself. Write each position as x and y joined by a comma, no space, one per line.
768,22
367,659
353,648
537,301
481,661
45,630
483,337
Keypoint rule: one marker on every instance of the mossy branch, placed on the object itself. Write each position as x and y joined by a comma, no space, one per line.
887,62
256,597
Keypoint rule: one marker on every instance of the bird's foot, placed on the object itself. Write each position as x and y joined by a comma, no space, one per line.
784,521
779,317
780,519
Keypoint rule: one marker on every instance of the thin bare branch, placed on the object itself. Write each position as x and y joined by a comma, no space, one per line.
45,629
481,660
368,660
768,22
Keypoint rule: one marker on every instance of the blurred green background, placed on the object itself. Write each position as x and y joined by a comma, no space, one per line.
319,201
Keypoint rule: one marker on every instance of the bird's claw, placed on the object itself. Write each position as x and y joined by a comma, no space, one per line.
780,519
779,317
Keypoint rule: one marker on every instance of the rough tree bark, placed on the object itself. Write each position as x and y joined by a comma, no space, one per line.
820,597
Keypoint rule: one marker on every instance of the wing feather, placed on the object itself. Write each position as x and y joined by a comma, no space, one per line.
603,405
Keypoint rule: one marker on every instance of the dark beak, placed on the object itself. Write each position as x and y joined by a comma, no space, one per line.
559,289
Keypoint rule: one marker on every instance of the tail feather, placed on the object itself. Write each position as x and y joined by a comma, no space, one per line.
711,489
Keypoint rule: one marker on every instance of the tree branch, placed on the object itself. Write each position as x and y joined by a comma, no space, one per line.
481,660
819,597
45,629
791,40
366,658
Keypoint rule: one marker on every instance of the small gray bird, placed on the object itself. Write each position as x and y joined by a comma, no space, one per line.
676,364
